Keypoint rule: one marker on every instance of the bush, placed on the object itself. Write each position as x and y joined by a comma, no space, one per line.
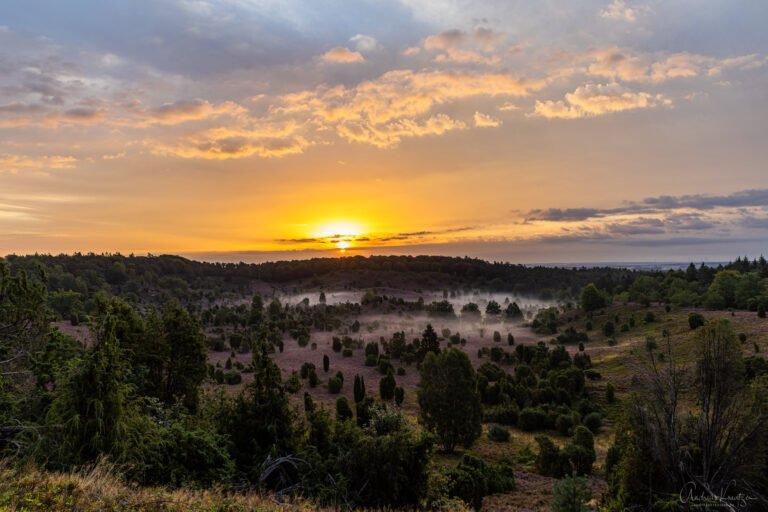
582,461
293,384
571,495
313,379
336,344
609,329
473,478
532,418
505,414
510,339
593,421
549,461
400,371
592,374
306,368
343,410
496,336
233,377
696,320
498,434
371,360
399,396
334,385
610,393
347,352
761,311
650,317
387,387
564,424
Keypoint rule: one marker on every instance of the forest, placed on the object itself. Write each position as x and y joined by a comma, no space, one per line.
393,383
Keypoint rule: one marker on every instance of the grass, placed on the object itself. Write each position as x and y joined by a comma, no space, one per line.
99,488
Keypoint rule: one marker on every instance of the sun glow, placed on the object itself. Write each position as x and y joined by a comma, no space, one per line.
332,229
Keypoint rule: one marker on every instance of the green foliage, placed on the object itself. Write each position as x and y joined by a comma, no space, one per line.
610,393
343,410
498,434
609,329
696,320
326,363
334,385
399,396
387,386
448,399
571,494
592,298
549,461
359,389
473,479
91,413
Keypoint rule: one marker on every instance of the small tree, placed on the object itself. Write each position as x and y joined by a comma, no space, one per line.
326,363
571,495
448,399
343,410
399,396
359,389
592,298
387,386
429,342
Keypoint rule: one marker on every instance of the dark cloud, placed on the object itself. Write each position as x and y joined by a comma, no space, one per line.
641,226
659,204
753,197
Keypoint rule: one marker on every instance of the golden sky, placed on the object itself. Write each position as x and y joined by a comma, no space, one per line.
262,129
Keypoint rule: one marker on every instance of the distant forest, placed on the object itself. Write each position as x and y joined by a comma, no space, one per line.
74,279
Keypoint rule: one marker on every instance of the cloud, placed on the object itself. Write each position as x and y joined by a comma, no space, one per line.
364,43
596,99
457,46
78,115
622,64
660,204
638,226
341,55
189,110
485,121
619,10
14,163
444,40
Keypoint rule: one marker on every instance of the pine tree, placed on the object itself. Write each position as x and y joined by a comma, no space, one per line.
448,399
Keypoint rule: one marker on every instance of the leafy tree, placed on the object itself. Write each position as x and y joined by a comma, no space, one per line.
696,320
592,298
493,308
448,399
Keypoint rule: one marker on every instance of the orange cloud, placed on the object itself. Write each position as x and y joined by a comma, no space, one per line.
595,100
15,163
485,121
343,55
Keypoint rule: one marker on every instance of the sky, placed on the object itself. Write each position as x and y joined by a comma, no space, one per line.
509,130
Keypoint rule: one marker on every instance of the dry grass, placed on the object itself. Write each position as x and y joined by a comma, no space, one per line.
100,489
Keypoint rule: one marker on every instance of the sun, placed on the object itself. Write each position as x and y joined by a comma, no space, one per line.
338,228
341,233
